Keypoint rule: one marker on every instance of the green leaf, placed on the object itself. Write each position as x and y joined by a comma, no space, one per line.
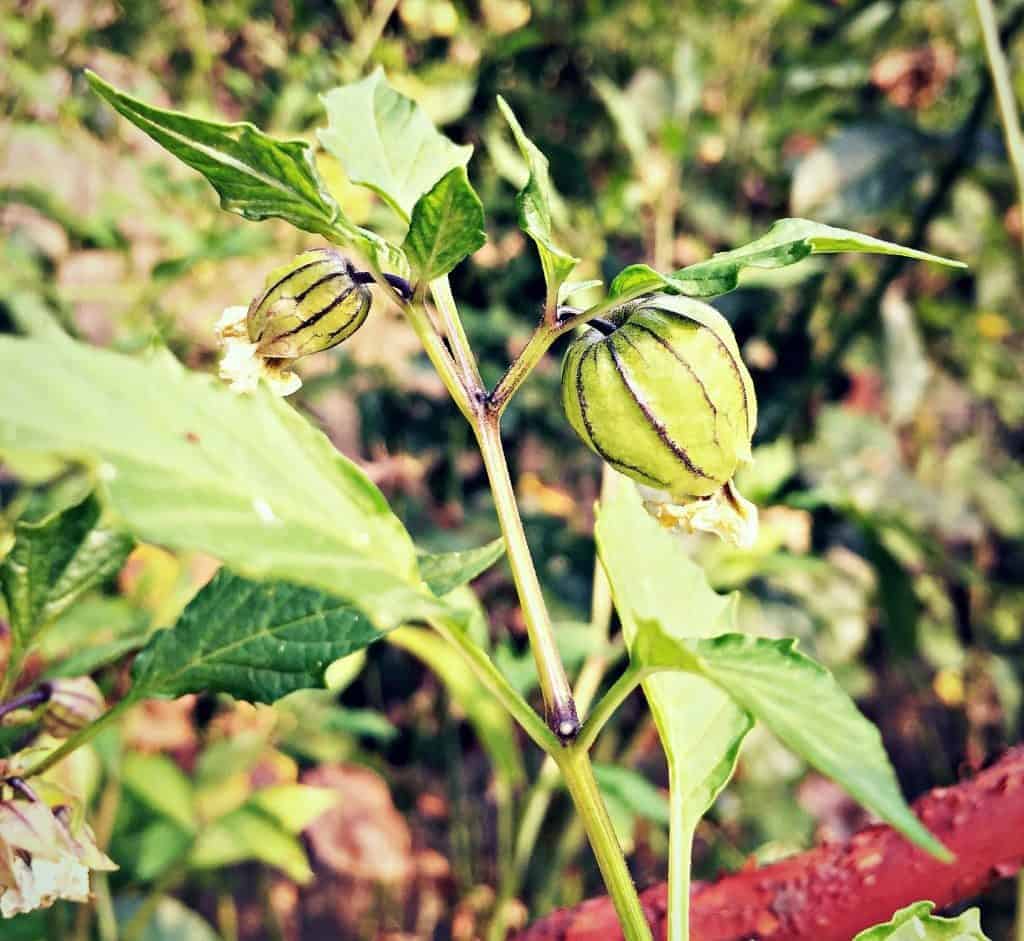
255,175
492,724
639,279
162,786
294,806
386,142
444,572
786,242
917,923
668,609
801,702
700,726
171,920
161,844
191,465
447,225
249,833
534,202
53,562
633,791
257,641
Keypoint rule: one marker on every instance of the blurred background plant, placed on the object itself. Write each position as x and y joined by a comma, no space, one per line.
887,468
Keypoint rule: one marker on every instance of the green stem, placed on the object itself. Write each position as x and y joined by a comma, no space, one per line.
441,359
521,367
559,707
608,704
579,779
81,737
15,658
538,344
1000,69
369,35
680,849
456,333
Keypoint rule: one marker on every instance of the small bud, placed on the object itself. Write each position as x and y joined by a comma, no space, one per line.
662,394
308,305
74,703
311,304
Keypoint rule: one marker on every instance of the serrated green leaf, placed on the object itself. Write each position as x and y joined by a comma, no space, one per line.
447,225
801,702
189,464
700,726
534,203
257,641
255,175
249,833
53,562
386,142
917,923
445,571
786,242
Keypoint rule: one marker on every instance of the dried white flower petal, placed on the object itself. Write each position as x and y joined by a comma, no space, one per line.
240,363
726,513
41,859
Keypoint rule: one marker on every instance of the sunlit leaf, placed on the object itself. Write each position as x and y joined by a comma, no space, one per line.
787,242
249,833
801,702
534,203
700,726
189,464
294,806
254,174
386,141
447,225
917,923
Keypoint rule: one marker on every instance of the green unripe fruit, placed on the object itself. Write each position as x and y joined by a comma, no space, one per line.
664,397
309,305
73,704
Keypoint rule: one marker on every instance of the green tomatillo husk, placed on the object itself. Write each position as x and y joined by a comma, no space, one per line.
662,394
74,703
308,305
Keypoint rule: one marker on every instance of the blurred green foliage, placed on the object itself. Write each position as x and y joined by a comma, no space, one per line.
888,456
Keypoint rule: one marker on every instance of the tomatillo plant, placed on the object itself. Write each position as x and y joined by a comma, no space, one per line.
316,566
